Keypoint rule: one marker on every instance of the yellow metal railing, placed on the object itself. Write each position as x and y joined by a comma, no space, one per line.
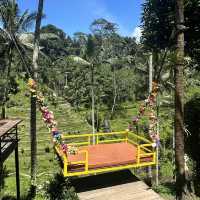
81,162
97,139
142,154
144,150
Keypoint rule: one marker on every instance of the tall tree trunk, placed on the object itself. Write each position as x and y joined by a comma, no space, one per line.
115,92
149,169
93,108
33,100
179,112
6,89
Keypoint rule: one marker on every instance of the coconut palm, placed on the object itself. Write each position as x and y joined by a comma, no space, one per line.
33,99
14,38
179,112
13,24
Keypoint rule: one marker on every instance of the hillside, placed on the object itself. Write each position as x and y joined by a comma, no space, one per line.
68,120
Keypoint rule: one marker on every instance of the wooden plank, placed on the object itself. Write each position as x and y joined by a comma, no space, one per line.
7,125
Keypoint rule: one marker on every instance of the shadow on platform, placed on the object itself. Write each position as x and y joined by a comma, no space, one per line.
103,180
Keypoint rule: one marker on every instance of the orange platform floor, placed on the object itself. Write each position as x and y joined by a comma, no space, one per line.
107,155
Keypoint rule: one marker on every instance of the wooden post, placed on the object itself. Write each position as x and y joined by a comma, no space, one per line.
17,167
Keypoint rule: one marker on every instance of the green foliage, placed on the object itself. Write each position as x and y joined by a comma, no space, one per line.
192,119
159,31
54,47
59,188
13,25
3,174
103,27
158,23
167,190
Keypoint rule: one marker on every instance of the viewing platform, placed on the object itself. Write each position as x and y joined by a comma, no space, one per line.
111,152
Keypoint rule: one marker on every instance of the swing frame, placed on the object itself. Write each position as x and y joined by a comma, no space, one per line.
145,149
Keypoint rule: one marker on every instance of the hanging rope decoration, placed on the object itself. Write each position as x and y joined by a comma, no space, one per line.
48,118
149,103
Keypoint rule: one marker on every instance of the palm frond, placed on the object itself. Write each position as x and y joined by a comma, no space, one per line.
26,21
4,34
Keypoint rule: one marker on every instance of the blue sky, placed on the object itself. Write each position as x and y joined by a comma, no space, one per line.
77,15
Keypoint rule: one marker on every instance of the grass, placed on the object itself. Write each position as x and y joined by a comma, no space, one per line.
69,121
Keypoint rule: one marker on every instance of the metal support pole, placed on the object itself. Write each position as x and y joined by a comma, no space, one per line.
93,118
17,168
157,147
150,89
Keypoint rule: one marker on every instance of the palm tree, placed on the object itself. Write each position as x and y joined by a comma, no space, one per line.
33,99
179,111
13,25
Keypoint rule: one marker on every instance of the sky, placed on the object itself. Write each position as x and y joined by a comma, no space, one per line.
77,15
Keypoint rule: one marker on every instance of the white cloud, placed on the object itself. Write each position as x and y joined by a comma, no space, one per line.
137,33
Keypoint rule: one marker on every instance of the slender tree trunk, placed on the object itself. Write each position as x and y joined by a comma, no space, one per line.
33,100
115,92
179,112
150,72
6,89
3,111
149,168
93,108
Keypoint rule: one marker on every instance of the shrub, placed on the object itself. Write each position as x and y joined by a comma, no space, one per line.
60,188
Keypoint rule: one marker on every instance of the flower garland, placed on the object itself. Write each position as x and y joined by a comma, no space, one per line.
48,118
150,103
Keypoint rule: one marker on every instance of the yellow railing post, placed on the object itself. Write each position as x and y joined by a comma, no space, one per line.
97,139
138,154
126,136
65,165
86,161
88,140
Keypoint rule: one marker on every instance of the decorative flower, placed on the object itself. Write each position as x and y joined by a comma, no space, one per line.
64,148
135,120
40,98
32,85
152,116
142,110
155,87
72,150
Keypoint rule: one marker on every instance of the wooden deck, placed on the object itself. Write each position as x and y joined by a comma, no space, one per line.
107,155
120,185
